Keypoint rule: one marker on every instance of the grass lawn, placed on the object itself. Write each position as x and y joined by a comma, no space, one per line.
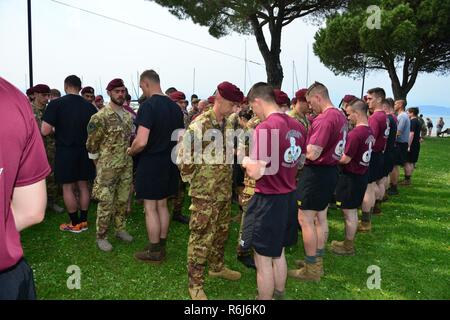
410,244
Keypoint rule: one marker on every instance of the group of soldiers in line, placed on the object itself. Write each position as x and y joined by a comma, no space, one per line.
110,133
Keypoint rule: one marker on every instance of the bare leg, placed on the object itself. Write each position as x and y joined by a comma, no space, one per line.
164,217
69,198
322,229
264,277
85,196
280,272
306,219
351,223
152,221
394,176
369,198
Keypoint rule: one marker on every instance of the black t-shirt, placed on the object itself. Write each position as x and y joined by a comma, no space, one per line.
70,116
162,117
392,133
416,127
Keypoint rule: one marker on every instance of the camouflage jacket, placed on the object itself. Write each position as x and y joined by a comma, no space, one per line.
302,119
109,137
209,173
49,141
249,183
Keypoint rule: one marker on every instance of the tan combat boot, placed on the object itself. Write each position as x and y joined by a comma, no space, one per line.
301,264
153,255
343,248
225,273
310,272
365,226
197,293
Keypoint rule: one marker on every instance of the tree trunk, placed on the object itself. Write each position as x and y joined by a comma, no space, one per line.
271,56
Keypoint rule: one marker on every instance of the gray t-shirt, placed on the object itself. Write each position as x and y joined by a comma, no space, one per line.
403,127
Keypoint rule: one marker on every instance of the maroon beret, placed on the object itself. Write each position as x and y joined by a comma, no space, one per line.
245,101
177,96
294,101
301,95
116,83
41,88
349,98
281,97
212,99
230,92
98,98
87,90
30,91
365,98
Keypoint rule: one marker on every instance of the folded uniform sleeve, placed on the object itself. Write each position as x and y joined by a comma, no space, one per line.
96,134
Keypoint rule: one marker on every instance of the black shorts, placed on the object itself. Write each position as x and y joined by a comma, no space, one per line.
413,154
316,186
270,224
401,154
16,283
157,177
72,164
376,167
350,190
389,157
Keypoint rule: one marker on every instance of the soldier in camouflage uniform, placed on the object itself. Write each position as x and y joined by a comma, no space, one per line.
178,200
300,109
210,189
42,95
109,133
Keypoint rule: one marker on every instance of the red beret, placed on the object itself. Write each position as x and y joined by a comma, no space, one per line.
245,101
41,88
230,92
177,96
87,90
98,98
349,98
365,98
281,97
301,95
294,101
212,99
116,83
30,91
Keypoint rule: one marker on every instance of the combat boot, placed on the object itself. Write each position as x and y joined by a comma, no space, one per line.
124,236
343,248
104,245
310,272
225,273
301,264
197,293
364,226
152,256
377,209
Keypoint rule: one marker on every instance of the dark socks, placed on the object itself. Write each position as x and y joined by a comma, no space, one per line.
366,216
83,215
310,260
407,178
155,247
162,242
74,218
278,295
320,253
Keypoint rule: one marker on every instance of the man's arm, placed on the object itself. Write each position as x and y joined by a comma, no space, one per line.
313,152
254,168
411,138
46,129
28,204
140,141
95,130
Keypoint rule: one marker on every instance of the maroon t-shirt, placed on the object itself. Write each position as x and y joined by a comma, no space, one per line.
23,162
379,123
359,147
284,138
329,131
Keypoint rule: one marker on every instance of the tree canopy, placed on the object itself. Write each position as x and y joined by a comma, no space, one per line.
250,17
413,37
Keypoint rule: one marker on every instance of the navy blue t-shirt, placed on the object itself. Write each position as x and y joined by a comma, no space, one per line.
162,117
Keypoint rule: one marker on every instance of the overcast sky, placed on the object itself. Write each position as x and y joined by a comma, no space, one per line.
68,41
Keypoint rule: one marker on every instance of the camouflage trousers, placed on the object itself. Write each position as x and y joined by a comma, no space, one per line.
244,200
209,225
111,189
178,199
53,189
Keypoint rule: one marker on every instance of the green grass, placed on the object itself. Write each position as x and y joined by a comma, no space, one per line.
410,243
